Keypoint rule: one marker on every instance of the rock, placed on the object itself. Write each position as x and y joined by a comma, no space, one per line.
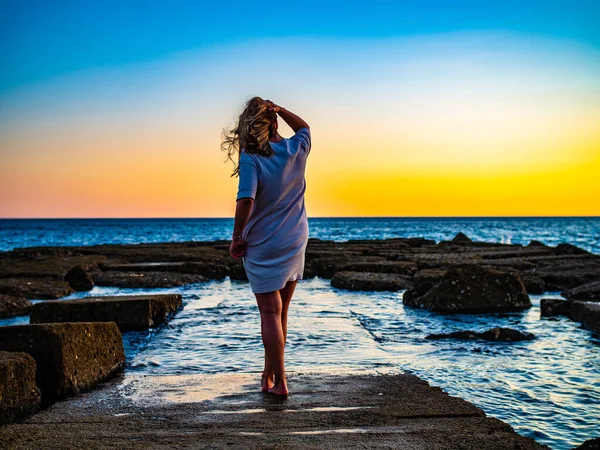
587,313
18,265
590,444
145,279
423,281
533,284
461,238
79,279
237,272
129,312
535,243
13,306
550,307
367,281
398,267
326,267
561,278
493,334
143,267
309,272
70,357
19,395
506,335
472,289
35,288
211,270
568,249
589,292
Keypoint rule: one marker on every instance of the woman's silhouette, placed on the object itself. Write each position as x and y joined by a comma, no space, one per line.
270,228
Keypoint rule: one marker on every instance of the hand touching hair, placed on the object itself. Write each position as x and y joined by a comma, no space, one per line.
256,124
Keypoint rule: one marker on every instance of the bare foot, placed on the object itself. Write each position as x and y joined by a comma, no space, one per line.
279,389
267,382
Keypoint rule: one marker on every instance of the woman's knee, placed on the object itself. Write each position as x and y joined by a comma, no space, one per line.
269,303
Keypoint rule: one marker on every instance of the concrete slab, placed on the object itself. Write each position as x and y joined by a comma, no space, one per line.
70,357
218,411
19,395
129,312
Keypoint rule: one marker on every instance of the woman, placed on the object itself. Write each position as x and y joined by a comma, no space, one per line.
270,228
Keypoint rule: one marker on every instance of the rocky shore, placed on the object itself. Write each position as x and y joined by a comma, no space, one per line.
458,276
71,345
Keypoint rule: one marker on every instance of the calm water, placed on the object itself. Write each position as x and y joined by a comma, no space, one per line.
548,388
583,232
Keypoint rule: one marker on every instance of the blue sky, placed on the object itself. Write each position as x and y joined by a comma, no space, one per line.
43,39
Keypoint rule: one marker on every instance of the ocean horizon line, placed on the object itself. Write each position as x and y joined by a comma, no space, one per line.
312,217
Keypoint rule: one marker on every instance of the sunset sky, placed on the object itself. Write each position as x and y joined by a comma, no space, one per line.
429,108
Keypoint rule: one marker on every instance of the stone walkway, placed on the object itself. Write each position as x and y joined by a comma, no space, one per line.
216,411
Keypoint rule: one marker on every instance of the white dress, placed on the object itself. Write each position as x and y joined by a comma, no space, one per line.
277,230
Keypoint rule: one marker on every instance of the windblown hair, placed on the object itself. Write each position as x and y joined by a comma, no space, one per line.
256,124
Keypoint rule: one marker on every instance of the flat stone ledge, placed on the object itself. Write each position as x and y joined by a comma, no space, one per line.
369,281
587,313
19,395
151,279
228,411
70,357
13,306
129,312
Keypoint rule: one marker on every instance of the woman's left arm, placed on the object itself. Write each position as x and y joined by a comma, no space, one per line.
243,208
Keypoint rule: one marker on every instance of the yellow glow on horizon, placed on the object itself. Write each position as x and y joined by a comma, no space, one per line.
420,134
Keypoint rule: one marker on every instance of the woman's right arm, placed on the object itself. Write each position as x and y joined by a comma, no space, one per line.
294,121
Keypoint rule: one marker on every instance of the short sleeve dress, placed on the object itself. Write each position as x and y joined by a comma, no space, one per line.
277,230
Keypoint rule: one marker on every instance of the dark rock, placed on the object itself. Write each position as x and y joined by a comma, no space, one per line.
587,313
461,238
143,267
70,357
309,272
550,307
145,279
533,284
473,289
423,281
493,334
237,272
79,279
35,288
13,306
506,335
561,278
398,267
54,266
367,281
211,270
568,249
129,312
589,292
327,267
535,243
590,444
19,395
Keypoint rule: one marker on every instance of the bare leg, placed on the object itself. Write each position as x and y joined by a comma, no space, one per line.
270,307
286,297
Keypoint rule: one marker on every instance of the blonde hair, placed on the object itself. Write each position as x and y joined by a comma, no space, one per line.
256,124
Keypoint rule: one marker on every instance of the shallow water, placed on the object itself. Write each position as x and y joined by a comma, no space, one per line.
548,388
580,231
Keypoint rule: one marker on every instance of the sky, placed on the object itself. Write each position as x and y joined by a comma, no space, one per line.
428,108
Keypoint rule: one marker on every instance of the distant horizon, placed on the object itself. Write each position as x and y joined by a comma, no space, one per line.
310,217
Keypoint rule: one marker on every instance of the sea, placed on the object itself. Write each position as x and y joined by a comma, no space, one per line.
547,388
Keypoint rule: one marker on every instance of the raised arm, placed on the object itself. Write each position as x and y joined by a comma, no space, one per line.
294,121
